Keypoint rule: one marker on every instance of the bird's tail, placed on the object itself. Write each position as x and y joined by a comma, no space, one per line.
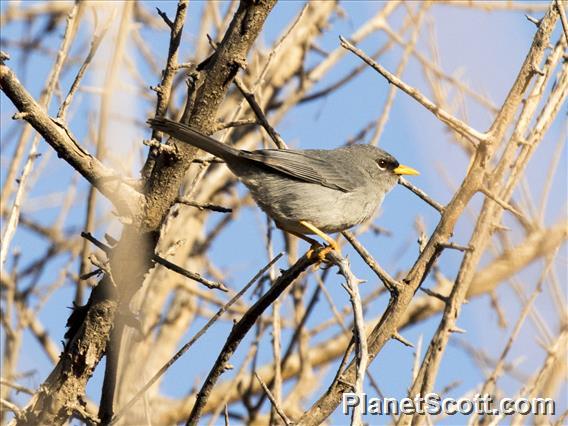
188,135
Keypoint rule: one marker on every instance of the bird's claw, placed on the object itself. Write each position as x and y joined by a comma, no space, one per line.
319,252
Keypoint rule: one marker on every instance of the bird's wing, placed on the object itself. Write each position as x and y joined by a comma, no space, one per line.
313,166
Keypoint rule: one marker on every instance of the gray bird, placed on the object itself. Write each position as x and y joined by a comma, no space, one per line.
311,191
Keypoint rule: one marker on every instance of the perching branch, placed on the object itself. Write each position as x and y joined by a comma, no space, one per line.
126,200
241,328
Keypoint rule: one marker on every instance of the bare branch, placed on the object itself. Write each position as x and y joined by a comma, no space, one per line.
360,336
194,339
453,122
390,283
166,263
242,327
249,96
56,134
563,19
421,194
204,206
273,401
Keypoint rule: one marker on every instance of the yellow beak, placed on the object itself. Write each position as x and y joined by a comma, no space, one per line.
405,170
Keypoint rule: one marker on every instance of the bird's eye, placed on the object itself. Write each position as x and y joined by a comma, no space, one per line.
382,164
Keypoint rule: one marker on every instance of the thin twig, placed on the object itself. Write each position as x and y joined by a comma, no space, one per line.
196,337
12,222
276,406
276,384
161,148
166,263
95,43
390,283
11,407
421,194
562,18
191,275
408,49
455,246
440,113
226,415
260,116
242,327
165,17
17,387
435,294
164,89
235,123
522,218
204,206
352,288
403,340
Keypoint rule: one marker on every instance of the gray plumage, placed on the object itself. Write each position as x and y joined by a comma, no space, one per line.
331,189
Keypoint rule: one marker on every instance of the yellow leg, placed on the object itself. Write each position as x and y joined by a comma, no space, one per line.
315,247
332,244
307,239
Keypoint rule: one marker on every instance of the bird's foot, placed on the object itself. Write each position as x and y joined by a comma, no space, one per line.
316,249
319,252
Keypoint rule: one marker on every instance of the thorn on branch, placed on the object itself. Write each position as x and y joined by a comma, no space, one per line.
537,70
378,230
4,57
111,240
101,265
435,294
455,246
207,160
402,340
167,20
185,65
500,227
457,330
244,122
422,241
523,141
161,148
240,62
345,383
88,275
211,42
533,20
204,206
20,115
35,156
